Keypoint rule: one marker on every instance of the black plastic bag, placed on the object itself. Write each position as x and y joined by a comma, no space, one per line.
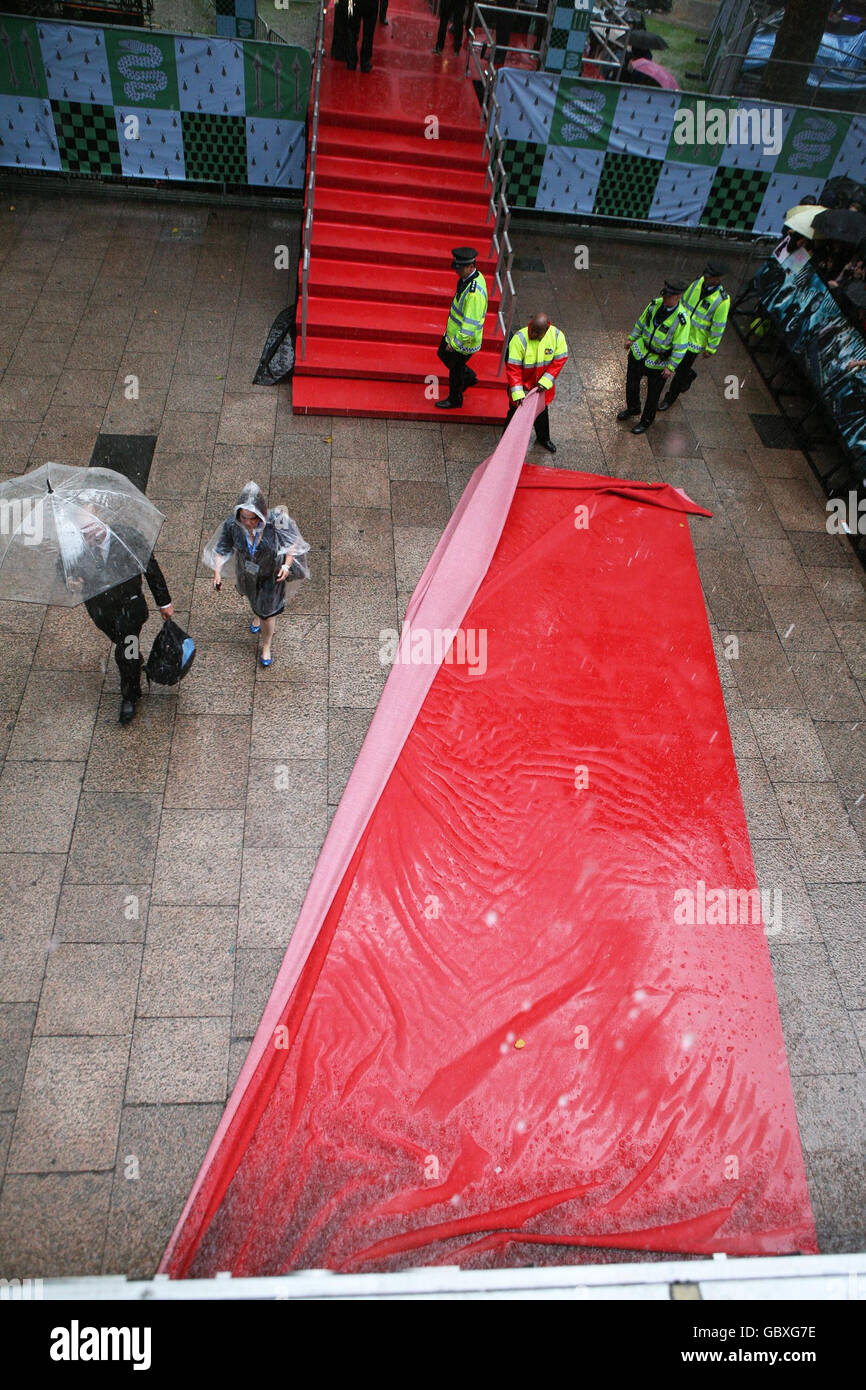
278,356
170,656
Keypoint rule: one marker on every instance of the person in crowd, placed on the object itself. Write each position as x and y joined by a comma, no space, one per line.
340,37
120,611
707,303
366,13
453,13
267,549
536,356
655,346
464,330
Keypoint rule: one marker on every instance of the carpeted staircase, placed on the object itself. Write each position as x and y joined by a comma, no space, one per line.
389,205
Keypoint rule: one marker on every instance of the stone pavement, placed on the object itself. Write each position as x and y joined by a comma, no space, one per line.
151,875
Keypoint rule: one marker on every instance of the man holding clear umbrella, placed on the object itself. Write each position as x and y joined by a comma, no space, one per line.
121,611
85,535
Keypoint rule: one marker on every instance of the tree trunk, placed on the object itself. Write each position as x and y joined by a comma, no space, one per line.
797,41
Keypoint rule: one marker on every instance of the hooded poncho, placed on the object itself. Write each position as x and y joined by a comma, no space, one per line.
257,561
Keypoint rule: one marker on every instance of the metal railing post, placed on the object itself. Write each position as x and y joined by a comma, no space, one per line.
311,177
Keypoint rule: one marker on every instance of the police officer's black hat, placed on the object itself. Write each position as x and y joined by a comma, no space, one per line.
464,255
714,269
674,286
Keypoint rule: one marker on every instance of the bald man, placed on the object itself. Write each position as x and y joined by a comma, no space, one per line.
536,356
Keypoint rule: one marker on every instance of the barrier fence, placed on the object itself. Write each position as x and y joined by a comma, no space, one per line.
581,146
143,104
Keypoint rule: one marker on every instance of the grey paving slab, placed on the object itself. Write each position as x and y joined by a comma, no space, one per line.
187,970
821,832
16,1031
38,805
273,886
159,1153
89,990
69,1111
790,746
255,972
115,839
178,1061
53,1222
102,912
198,858
819,1036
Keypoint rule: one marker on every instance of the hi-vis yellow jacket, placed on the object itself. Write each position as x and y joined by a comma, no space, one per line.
465,327
663,344
535,362
709,316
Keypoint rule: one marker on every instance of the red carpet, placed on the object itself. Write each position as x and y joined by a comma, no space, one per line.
389,205
495,1035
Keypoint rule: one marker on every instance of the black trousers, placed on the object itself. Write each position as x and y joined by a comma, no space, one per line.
366,12
655,383
682,377
383,11
542,422
451,11
125,632
460,375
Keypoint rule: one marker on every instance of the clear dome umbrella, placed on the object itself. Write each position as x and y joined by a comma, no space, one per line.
68,534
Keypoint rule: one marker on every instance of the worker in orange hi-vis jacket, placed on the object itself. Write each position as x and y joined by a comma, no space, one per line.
536,356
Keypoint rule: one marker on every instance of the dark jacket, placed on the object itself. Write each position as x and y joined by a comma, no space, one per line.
123,608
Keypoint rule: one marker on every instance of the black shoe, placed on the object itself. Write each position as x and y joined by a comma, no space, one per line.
547,444
366,67
437,50
448,404
640,428
665,404
127,711
627,414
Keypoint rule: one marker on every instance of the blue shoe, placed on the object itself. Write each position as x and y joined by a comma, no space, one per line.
255,627
266,660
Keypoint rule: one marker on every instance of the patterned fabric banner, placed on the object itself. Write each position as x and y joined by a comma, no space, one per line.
145,104
577,145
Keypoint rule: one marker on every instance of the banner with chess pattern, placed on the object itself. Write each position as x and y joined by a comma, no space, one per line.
139,103
575,145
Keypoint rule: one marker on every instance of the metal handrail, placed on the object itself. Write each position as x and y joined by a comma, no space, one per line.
311,177
496,175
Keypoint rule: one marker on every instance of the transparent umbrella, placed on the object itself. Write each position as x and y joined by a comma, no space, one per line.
68,534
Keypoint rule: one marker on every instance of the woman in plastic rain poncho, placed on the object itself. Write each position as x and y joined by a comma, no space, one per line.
266,549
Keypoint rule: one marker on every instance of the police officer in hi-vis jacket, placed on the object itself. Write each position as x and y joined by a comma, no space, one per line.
656,346
707,304
465,327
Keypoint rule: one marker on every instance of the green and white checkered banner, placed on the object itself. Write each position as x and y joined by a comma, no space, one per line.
139,103
575,145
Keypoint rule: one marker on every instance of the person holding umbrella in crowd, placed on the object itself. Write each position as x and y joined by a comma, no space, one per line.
91,541
265,547
121,611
